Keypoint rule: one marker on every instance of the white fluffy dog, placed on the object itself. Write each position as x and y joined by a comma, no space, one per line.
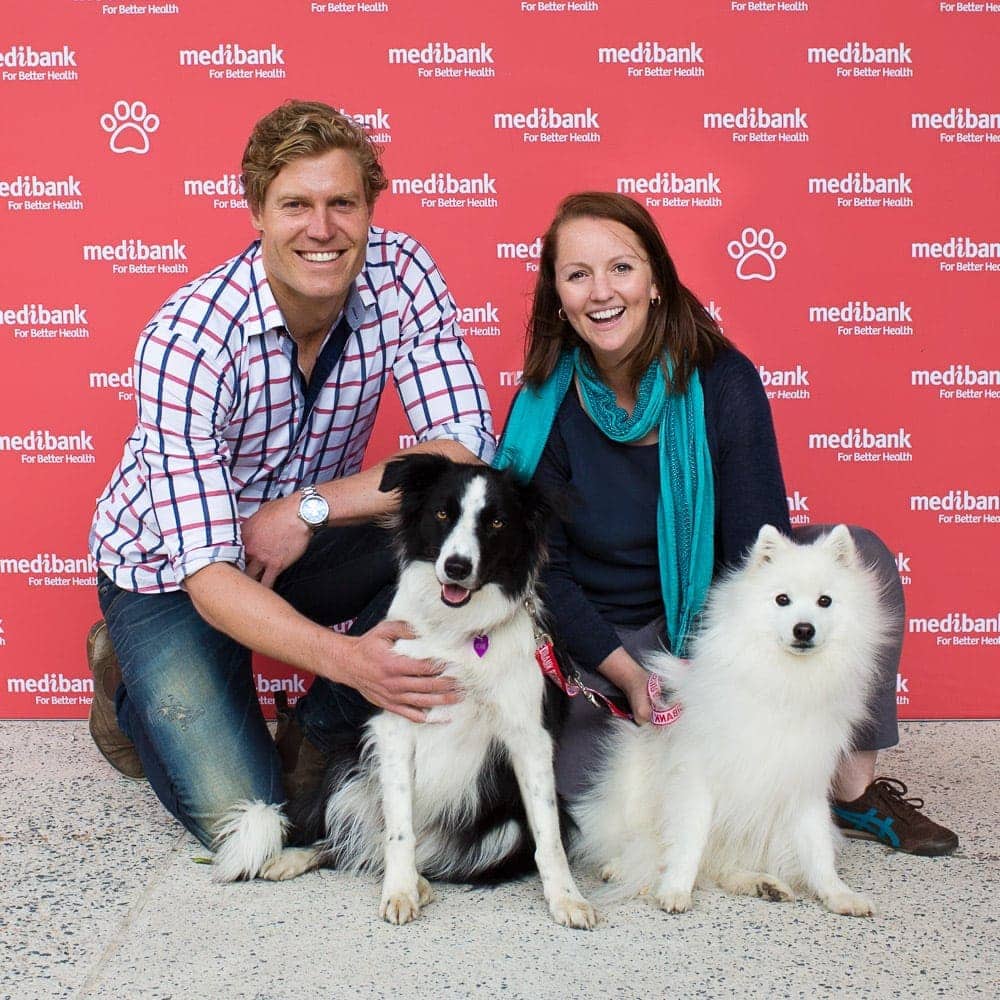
735,792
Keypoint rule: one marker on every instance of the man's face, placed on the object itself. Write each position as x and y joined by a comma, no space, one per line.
314,233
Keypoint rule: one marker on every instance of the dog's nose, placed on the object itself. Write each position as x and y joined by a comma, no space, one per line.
457,567
803,631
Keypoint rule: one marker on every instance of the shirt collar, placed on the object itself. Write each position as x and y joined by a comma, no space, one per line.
264,313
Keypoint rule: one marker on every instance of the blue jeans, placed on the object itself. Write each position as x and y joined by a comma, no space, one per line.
188,699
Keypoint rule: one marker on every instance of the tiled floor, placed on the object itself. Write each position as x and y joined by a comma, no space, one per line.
101,898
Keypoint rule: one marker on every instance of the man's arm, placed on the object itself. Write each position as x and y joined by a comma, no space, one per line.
275,537
443,397
255,616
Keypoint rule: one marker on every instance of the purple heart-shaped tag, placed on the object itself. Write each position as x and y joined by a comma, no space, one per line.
480,644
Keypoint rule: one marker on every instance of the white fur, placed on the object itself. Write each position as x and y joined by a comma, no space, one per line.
411,776
463,539
249,835
735,792
428,771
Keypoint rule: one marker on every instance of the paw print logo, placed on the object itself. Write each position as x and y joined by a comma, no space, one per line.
130,126
755,253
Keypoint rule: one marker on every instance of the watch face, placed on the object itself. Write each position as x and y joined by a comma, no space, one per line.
313,510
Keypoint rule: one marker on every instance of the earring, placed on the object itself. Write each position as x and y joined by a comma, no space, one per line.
562,314
654,302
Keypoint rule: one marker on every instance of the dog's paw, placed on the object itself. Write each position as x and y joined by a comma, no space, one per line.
425,894
574,912
774,891
756,884
399,907
610,871
290,863
850,904
673,900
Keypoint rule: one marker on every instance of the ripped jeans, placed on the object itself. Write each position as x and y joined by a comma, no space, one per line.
188,698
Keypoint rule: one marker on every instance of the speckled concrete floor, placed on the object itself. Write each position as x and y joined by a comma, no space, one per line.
101,898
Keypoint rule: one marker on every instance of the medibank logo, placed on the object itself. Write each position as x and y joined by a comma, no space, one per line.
667,182
37,314
651,54
45,440
31,186
956,500
28,57
445,183
957,374
862,311
371,121
135,249
487,313
45,563
862,54
861,182
862,437
956,247
111,380
232,54
227,184
442,54
480,321
955,118
520,251
956,622
797,376
50,684
756,118
541,118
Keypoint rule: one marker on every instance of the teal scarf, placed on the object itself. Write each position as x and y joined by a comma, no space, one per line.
685,522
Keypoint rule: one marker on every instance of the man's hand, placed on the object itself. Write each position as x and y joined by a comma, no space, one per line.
274,537
392,681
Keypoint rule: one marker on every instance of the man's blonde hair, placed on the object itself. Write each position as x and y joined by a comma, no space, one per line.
299,129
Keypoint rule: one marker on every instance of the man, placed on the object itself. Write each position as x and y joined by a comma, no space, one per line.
238,518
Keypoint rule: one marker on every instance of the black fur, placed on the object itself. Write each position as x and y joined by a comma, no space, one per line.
427,483
512,554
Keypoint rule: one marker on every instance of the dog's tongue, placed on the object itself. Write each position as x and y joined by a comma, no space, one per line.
453,594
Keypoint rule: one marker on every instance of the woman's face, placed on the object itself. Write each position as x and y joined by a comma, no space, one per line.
604,283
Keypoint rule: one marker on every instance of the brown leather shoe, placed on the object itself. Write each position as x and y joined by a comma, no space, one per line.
118,750
303,764
883,813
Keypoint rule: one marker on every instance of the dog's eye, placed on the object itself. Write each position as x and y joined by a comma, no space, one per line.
782,600
441,514
497,523
825,601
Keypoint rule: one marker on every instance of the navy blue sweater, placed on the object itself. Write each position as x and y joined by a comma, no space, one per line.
602,568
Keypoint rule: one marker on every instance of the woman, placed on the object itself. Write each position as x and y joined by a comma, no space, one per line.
635,404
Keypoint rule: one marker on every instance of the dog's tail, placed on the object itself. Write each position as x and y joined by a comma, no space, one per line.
249,835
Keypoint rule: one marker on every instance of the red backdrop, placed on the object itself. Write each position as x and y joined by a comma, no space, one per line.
825,174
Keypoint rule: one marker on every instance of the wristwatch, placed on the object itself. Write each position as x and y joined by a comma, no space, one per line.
313,509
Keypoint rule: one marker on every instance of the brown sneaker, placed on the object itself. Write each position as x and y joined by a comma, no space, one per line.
119,751
303,764
882,813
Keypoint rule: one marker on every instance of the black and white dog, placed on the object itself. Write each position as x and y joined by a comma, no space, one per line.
472,799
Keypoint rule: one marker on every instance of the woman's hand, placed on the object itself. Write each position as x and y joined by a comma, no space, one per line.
626,674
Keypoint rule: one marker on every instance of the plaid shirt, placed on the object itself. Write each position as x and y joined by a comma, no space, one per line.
225,421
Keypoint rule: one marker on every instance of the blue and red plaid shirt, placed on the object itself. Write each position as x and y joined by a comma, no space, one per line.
225,421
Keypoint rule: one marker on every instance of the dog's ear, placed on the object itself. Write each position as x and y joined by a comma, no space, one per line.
841,545
413,473
769,542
